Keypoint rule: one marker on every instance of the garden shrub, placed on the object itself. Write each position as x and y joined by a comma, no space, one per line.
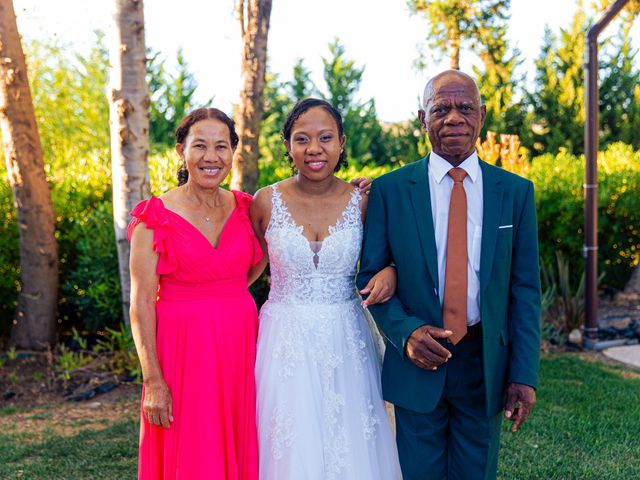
560,207
9,257
92,290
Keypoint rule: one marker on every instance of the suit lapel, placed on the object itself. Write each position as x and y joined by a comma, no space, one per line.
491,211
421,199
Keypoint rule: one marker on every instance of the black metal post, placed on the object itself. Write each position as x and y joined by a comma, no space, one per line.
591,169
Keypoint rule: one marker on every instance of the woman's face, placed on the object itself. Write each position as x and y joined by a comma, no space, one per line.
207,152
315,144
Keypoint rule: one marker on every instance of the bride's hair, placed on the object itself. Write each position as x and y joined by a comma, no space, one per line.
302,107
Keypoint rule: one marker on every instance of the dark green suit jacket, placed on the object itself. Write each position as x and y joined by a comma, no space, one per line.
399,229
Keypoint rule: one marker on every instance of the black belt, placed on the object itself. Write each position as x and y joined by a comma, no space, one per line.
473,333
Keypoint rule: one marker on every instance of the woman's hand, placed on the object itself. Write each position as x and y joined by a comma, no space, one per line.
157,406
363,183
381,287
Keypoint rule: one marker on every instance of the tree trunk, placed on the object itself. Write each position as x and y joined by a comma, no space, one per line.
254,22
454,48
129,122
34,324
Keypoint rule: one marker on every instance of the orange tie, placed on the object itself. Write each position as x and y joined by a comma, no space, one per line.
454,307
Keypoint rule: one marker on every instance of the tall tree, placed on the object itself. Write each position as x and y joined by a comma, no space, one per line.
72,110
254,18
35,319
498,84
171,98
301,86
619,108
277,102
129,121
343,79
557,119
455,22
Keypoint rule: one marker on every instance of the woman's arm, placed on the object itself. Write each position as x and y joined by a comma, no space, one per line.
144,290
381,287
260,213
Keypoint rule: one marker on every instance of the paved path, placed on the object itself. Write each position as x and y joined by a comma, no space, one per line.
629,354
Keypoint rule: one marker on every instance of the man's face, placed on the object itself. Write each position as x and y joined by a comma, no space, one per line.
453,117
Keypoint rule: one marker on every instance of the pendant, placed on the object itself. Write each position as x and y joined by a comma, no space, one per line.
206,218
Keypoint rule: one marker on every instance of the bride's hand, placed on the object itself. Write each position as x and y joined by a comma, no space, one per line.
381,287
363,183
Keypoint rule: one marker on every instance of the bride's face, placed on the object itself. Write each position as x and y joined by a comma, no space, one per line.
315,144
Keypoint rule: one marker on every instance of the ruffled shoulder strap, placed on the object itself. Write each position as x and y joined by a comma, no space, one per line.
154,215
243,201
151,212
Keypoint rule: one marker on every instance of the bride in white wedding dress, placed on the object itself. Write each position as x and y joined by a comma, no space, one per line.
320,411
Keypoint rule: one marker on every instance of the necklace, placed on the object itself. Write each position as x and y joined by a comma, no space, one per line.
206,218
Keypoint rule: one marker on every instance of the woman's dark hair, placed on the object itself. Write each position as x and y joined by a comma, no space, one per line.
182,132
302,107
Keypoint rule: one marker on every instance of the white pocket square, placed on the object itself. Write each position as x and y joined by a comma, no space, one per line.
505,226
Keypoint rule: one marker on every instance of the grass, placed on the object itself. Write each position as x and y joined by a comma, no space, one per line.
90,454
586,426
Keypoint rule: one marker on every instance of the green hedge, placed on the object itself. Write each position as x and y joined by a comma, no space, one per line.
560,204
89,286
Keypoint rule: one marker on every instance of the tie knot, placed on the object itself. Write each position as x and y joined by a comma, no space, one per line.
457,174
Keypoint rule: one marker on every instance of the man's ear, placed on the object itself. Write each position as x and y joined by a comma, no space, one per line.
422,117
483,114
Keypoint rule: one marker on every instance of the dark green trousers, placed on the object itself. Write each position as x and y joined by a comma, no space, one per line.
456,441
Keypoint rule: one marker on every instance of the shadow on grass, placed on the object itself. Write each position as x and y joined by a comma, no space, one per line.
109,453
586,425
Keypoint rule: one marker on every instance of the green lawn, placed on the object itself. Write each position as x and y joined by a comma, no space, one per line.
586,426
106,454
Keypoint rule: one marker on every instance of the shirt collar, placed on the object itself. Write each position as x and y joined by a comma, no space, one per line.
440,167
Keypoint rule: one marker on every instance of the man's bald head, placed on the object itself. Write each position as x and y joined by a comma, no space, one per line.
448,76
453,115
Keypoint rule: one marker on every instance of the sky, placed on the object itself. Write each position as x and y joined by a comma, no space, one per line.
380,35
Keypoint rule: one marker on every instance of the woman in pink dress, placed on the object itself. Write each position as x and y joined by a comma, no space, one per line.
193,255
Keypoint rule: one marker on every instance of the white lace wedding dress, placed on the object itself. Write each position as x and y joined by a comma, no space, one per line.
319,400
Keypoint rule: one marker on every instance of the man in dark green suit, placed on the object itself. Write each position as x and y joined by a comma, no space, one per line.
451,381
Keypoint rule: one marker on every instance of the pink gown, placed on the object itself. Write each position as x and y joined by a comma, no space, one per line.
207,325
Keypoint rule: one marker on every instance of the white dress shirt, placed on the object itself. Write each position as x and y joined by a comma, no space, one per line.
440,185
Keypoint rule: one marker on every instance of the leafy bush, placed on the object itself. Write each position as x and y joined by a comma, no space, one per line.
163,169
9,256
560,206
92,289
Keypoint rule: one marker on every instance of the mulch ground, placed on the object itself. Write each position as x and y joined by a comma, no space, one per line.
33,398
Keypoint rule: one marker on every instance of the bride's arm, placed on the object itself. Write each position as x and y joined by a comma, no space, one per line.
381,287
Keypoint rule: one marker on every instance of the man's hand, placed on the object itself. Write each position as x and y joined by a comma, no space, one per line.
424,351
520,401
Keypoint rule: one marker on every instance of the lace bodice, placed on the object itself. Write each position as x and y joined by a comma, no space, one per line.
304,273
